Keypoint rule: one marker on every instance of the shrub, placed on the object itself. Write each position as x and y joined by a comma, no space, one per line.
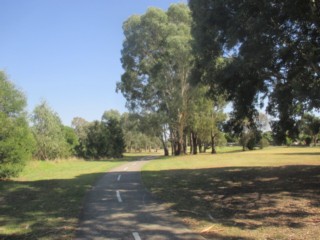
16,141
263,143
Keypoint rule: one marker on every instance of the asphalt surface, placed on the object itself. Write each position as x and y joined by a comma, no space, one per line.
119,207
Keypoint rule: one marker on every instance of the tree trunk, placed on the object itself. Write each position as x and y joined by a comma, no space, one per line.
191,144
165,148
177,148
200,146
194,143
185,144
315,140
213,144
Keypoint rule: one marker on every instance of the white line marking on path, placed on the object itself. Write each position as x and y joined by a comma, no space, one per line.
210,216
118,196
136,236
119,176
125,169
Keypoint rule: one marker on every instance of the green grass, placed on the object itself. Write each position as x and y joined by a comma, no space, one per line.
45,202
264,194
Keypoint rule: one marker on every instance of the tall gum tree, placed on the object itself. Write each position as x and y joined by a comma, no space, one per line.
157,59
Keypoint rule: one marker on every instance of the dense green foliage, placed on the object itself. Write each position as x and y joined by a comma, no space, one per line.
100,139
49,134
157,58
310,128
270,49
16,141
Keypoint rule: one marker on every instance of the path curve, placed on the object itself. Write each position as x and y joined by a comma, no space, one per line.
119,207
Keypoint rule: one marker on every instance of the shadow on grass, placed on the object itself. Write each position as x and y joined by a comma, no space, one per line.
45,208
247,198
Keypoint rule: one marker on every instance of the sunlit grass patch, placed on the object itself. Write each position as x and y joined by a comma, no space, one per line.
264,194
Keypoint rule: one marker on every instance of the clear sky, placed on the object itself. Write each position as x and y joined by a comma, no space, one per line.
67,52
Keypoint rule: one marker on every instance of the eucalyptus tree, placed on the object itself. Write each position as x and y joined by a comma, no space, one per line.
16,140
272,50
157,59
205,117
49,133
80,127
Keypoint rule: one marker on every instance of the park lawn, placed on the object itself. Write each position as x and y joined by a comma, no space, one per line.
46,200
272,193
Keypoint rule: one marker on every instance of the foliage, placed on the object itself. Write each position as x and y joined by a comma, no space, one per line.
205,117
157,60
16,141
71,139
141,131
270,48
263,143
115,139
49,135
16,145
80,127
310,125
100,139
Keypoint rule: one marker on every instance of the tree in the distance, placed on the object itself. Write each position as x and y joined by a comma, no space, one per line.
115,139
310,125
48,132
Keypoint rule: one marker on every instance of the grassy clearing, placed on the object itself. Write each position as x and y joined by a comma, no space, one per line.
264,194
45,202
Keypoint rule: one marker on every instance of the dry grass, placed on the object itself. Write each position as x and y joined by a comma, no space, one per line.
265,194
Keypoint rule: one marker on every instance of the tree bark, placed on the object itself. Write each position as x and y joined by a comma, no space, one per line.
194,143
191,144
213,143
200,146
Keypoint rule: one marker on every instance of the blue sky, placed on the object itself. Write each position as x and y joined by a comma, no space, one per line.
67,52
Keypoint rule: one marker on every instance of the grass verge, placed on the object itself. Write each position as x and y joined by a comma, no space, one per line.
45,202
265,194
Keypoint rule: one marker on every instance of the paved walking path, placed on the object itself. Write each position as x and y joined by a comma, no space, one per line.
119,207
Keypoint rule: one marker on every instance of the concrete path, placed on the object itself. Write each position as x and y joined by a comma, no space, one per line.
119,207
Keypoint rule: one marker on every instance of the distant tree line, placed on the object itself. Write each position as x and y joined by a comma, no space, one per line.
42,135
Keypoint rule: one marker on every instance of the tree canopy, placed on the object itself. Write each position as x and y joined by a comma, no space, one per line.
49,133
270,49
16,141
157,59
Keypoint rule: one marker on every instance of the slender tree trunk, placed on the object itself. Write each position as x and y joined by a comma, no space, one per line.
200,145
191,143
165,148
194,143
185,144
213,143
